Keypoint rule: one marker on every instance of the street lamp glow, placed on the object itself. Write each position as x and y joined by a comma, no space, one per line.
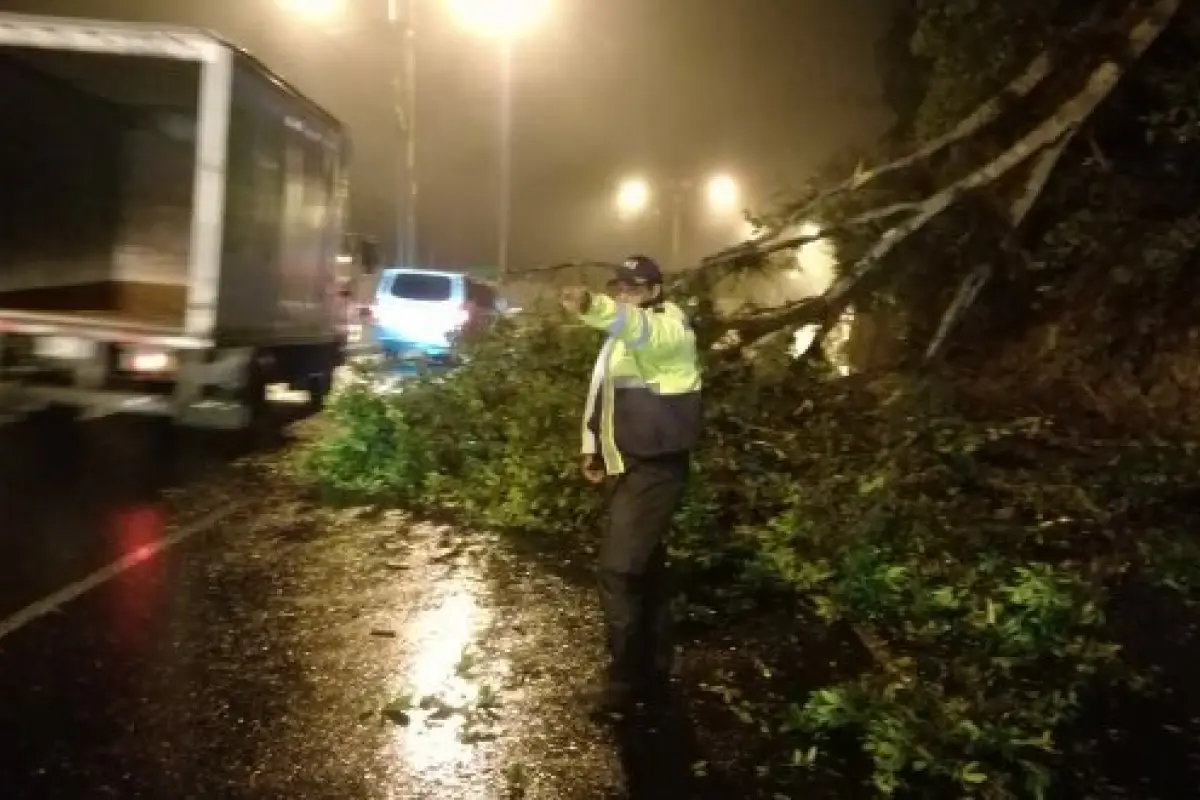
633,197
314,10
723,194
501,19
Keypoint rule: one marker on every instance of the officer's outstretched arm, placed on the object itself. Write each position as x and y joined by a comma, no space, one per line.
638,328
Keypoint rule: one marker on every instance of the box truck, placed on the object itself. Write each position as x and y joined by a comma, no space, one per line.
170,223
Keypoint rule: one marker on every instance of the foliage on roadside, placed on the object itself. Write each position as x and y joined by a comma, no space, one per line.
977,557
492,442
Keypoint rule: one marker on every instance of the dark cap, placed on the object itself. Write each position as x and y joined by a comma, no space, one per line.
639,271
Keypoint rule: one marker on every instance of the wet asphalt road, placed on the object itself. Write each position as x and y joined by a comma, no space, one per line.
281,651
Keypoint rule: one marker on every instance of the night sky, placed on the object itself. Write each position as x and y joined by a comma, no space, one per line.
764,89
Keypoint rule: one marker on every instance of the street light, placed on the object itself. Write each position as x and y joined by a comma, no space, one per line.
722,194
315,10
500,19
633,197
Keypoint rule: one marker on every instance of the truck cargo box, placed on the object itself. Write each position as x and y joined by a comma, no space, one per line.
115,207
96,182
170,220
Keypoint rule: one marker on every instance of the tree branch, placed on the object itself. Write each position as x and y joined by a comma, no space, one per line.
972,285
763,246
1034,74
1060,125
565,265
967,292
1039,176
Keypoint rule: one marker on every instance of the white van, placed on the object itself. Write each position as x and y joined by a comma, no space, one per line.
416,313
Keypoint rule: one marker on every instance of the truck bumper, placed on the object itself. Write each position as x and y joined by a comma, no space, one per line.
16,400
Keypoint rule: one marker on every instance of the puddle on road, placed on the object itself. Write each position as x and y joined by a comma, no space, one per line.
476,665
437,679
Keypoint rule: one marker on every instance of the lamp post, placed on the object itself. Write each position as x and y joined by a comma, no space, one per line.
635,199
404,94
503,20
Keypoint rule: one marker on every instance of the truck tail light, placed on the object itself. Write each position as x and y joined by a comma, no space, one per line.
148,362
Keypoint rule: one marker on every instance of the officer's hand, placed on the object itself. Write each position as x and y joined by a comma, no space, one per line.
575,299
592,468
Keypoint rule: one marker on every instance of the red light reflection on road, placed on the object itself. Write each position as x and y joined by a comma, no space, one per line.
136,531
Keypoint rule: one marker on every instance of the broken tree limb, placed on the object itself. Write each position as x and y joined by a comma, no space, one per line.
764,246
964,298
1022,86
564,265
1061,124
1039,176
1034,74
1139,36
972,285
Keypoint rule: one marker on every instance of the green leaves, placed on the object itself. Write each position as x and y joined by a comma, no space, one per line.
975,555
496,439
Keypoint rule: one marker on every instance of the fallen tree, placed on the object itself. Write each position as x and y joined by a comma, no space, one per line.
977,541
1138,31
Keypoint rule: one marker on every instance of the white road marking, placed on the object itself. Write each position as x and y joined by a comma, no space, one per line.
73,591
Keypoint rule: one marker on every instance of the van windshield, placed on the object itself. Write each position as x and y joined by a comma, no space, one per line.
419,286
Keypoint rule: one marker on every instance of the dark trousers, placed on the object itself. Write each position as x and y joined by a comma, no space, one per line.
634,591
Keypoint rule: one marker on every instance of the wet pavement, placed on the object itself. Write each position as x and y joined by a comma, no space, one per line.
275,650
251,644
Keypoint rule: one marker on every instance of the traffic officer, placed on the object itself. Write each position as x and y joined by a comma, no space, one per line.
641,422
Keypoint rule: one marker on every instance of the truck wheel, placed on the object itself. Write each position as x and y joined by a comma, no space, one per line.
320,384
254,394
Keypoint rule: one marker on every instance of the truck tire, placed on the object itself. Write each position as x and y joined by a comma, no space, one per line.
320,384
254,395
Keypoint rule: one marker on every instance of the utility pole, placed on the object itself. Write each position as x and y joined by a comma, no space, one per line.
404,97
410,144
506,147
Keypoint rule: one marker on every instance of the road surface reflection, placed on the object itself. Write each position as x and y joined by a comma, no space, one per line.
440,678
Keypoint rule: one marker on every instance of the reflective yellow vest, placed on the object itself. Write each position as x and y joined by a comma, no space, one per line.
644,399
